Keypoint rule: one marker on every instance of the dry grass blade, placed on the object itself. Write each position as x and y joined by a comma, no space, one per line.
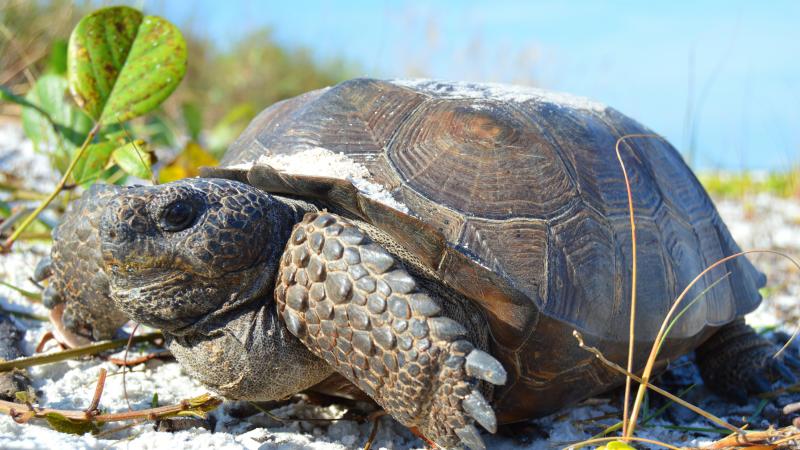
6,245
771,438
610,439
787,344
375,417
651,359
632,330
654,388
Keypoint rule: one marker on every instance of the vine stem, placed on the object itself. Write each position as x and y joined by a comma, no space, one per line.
91,349
59,187
195,406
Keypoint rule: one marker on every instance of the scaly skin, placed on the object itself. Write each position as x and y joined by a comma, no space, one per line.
352,304
199,259
737,361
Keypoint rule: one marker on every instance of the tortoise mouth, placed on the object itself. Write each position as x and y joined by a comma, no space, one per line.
147,278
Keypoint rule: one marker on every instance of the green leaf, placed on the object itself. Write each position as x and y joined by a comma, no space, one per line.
69,127
57,63
23,397
154,401
122,64
93,163
7,96
134,159
193,118
65,425
158,129
231,126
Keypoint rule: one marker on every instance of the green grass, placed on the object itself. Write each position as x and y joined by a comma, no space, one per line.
784,184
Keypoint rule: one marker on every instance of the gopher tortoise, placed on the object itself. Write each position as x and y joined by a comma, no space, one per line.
457,306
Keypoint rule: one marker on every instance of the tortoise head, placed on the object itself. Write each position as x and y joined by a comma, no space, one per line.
196,258
179,253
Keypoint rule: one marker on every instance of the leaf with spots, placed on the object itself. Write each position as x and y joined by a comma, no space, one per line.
93,164
134,158
122,64
64,424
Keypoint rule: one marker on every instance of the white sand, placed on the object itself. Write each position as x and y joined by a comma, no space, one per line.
498,91
321,162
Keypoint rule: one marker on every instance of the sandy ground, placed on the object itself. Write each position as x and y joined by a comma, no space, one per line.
756,222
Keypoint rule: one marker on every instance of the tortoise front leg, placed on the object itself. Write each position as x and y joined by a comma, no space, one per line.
353,305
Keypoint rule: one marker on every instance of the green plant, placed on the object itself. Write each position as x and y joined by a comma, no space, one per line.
121,65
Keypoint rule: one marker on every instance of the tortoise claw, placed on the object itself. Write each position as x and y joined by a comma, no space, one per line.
43,270
485,367
51,297
477,407
470,436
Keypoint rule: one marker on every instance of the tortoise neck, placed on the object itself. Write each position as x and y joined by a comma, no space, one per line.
254,285
257,358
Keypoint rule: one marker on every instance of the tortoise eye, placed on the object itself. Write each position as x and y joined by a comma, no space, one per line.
177,216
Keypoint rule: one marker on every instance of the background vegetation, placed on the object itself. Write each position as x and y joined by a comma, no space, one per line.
224,88
221,92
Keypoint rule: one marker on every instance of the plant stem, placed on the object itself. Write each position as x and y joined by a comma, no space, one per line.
651,359
645,384
91,349
197,405
78,155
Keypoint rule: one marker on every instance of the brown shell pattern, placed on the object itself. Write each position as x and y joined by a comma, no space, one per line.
527,184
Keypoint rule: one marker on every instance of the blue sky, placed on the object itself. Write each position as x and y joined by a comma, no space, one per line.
743,57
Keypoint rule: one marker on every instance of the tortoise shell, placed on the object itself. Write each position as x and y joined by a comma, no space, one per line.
516,199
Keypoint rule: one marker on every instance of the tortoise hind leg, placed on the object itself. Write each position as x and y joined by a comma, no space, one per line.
353,305
737,361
